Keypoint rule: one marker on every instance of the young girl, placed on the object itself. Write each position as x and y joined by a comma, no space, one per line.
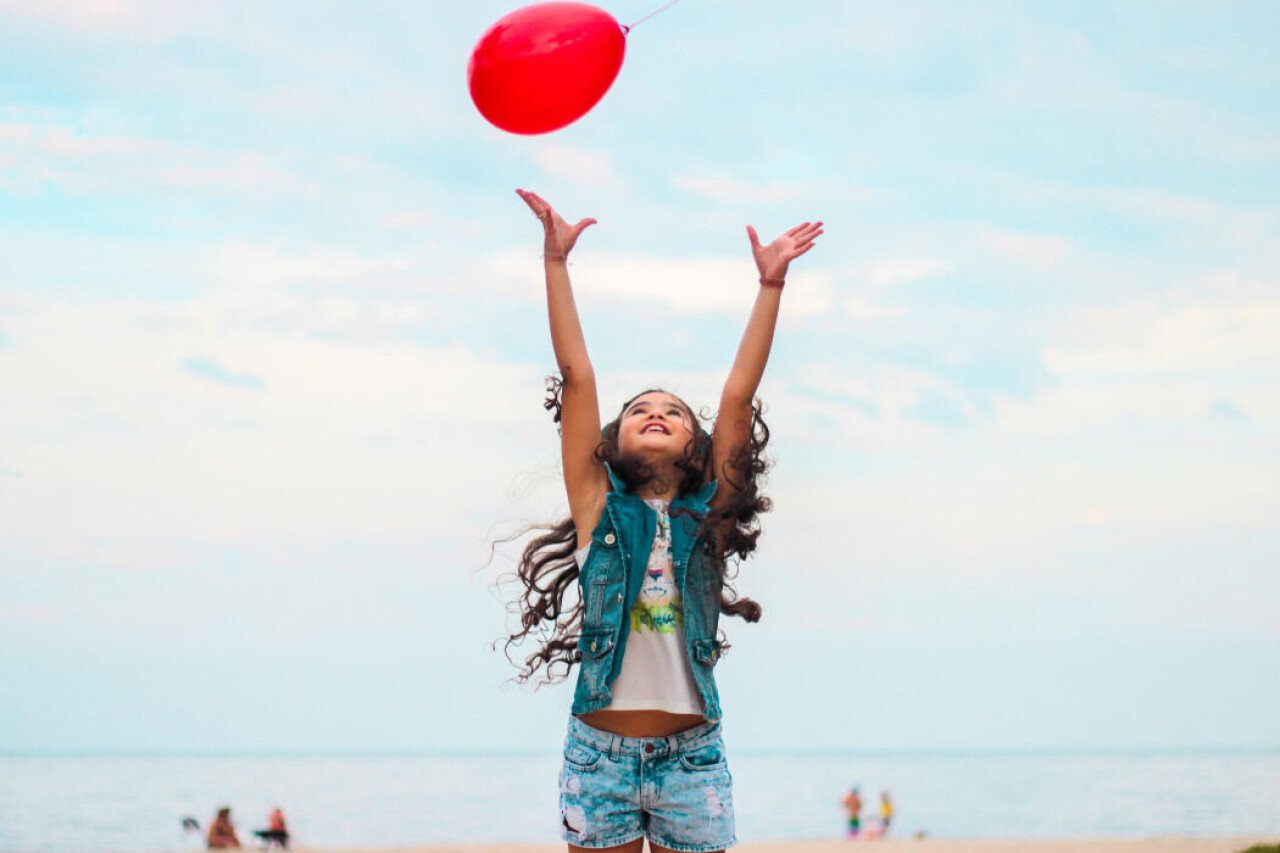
656,507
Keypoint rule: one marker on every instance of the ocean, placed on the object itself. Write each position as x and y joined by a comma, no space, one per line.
137,803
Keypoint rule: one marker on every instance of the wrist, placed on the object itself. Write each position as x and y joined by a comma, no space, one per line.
779,282
555,258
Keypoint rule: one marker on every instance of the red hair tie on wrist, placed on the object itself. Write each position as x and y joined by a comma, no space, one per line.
773,282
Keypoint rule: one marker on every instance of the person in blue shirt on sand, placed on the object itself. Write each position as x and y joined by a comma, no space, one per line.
658,508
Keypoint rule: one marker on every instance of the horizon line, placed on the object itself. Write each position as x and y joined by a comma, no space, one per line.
763,752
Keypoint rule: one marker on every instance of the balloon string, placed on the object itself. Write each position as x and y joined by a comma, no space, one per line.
626,28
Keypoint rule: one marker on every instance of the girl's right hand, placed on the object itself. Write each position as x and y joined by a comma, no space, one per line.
559,236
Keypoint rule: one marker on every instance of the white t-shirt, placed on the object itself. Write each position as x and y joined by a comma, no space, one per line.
655,671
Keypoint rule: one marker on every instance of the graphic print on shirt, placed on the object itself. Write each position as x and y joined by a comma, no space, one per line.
657,607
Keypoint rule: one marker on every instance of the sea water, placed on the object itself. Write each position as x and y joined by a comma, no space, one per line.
136,803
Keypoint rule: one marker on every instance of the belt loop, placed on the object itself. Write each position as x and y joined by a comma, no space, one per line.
673,745
615,748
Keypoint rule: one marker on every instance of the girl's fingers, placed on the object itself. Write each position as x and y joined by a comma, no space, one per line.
805,239
753,237
803,230
536,203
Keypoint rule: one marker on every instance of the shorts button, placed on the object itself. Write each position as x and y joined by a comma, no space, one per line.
648,747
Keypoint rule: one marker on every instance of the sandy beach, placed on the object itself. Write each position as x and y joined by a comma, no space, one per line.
906,845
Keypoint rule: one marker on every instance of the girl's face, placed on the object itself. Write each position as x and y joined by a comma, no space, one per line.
655,424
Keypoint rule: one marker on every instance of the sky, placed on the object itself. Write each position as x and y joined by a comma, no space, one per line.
272,351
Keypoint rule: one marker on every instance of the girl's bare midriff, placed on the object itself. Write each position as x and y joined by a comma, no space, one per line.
641,723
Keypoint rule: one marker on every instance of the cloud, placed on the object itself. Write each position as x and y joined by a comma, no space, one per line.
137,19
345,437
864,310
327,290
32,613
699,284
265,267
725,189
1034,249
875,277
207,368
892,272
687,285
837,396
1223,409
1212,219
1190,339
54,152
933,406
577,165
1127,369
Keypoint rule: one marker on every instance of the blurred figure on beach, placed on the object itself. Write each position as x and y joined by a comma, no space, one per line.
277,826
277,832
853,805
222,834
192,835
886,812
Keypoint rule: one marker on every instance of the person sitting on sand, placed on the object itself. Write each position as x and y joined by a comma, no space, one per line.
276,832
222,834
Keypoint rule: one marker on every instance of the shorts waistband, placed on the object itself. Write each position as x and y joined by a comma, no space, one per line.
689,739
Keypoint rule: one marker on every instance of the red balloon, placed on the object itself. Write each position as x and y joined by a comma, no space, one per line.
544,66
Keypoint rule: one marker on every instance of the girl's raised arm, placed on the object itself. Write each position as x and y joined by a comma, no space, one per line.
584,477
733,422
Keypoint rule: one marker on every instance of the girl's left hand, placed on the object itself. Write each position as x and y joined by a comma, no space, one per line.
772,260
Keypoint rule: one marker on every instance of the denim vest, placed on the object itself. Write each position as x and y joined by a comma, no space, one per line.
611,579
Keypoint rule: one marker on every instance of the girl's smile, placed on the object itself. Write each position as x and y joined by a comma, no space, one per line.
652,421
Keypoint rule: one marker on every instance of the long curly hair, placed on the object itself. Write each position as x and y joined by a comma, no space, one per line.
548,571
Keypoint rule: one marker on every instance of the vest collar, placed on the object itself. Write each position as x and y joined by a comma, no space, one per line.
699,498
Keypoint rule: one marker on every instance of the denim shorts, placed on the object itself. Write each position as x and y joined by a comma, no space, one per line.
676,790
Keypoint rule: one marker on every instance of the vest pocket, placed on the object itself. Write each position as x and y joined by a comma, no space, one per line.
601,580
706,652
603,561
603,604
596,644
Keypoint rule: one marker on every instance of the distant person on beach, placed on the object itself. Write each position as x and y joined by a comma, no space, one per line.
277,832
660,513
886,812
853,806
222,834
191,833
